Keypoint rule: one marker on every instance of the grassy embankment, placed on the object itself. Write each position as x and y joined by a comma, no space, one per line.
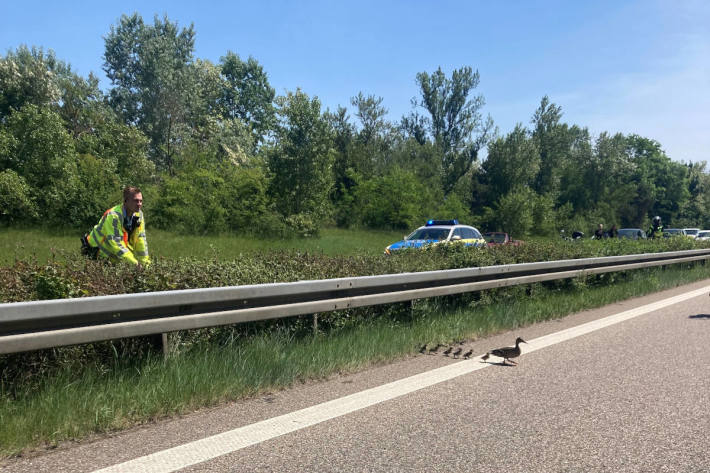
71,405
44,245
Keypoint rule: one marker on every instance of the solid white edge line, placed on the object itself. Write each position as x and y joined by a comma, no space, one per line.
208,448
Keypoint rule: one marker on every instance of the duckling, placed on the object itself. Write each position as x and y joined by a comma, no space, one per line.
422,349
436,348
506,352
448,351
458,352
468,354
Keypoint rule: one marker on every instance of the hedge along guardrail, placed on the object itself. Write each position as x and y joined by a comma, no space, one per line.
26,326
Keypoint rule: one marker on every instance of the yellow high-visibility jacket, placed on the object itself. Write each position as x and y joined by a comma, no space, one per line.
115,242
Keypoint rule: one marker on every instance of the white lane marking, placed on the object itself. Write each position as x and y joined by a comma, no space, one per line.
214,446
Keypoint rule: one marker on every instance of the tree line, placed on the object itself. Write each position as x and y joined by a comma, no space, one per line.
216,150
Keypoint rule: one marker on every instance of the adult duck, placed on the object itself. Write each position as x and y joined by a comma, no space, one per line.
506,352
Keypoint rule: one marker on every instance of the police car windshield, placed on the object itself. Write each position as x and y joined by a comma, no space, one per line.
429,234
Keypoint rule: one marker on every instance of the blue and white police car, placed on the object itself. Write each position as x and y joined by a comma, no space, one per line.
439,231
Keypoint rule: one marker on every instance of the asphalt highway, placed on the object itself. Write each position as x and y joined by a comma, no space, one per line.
620,394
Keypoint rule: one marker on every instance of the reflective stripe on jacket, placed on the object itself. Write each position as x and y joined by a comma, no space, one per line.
655,232
114,241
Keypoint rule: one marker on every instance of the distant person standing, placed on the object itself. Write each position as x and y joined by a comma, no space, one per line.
613,232
599,232
120,234
656,229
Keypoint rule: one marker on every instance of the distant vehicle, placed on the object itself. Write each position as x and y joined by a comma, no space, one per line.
499,238
703,235
631,233
439,231
691,232
671,232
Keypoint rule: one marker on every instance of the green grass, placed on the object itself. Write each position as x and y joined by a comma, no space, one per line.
44,245
72,405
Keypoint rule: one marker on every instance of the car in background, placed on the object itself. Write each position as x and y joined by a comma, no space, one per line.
500,238
691,232
631,233
671,232
703,235
436,232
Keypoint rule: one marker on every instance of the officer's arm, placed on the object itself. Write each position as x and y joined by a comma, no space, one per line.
141,245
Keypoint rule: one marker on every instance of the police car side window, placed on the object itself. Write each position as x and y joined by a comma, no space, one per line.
458,232
466,233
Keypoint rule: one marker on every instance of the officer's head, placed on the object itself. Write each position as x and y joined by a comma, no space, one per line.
656,221
132,199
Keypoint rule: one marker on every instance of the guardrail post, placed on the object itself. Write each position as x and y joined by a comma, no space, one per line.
160,341
315,324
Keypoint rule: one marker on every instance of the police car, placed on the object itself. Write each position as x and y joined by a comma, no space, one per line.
439,231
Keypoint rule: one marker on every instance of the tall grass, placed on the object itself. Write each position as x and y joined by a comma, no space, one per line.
45,245
71,405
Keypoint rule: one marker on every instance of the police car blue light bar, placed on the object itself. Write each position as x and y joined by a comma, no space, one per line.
441,222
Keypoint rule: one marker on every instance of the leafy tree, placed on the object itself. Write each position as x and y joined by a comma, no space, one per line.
414,126
424,161
545,216
28,76
82,105
16,203
523,212
662,184
608,175
247,203
375,138
175,207
569,184
35,144
232,197
150,68
513,161
345,170
514,211
247,94
204,112
455,123
371,114
553,143
452,207
232,142
302,157
98,188
122,149
395,200
696,211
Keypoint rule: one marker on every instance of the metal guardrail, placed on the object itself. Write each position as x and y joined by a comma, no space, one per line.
34,325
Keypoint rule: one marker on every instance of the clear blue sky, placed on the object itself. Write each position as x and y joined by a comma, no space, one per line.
619,66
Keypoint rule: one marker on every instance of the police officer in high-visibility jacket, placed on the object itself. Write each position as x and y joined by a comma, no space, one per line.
120,234
656,228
